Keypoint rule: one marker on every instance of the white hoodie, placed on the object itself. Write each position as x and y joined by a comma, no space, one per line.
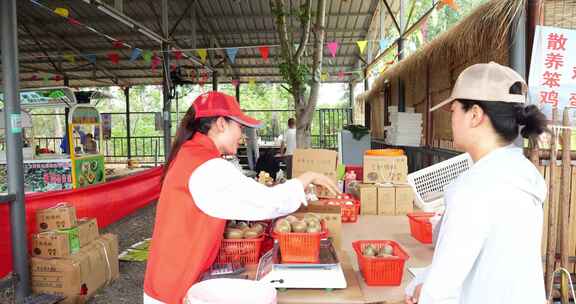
489,245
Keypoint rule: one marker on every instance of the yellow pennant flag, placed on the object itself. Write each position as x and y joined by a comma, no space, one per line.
252,82
69,57
62,12
362,45
202,53
324,76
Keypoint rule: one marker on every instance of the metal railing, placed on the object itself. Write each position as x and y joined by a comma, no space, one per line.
326,125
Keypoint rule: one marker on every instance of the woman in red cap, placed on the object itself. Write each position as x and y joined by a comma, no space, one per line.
200,191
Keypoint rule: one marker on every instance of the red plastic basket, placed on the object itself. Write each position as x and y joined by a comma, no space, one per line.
244,251
348,213
381,271
300,247
420,226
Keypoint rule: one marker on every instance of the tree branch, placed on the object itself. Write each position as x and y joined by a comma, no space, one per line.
278,11
305,30
317,57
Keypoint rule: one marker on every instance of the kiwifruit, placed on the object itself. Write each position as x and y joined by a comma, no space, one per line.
283,228
257,227
369,251
251,234
291,218
299,226
388,249
313,229
311,215
232,233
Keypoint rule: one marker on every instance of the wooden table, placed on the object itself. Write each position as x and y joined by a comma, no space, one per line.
368,227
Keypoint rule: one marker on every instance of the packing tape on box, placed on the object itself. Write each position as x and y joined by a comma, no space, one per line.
109,268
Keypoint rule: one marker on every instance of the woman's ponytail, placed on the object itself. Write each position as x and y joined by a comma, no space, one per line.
533,120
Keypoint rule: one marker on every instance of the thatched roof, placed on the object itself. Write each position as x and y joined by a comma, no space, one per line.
485,29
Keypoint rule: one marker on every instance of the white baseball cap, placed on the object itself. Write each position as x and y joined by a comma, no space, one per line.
486,82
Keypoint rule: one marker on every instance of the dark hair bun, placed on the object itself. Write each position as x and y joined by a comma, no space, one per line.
533,120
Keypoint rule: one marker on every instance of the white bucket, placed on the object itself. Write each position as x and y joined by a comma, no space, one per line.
227,291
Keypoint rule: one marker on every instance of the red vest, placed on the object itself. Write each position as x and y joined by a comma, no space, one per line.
185,241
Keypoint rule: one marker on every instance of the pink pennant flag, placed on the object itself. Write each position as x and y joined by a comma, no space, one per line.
264,52
341,75
57,78
235,82
333,47
34,77
172,67
178,55
73,21
155,61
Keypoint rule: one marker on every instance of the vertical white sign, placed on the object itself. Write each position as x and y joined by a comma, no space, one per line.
552,80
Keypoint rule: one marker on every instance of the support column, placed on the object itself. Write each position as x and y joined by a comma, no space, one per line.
401,99
166,84
351,102
66,109
366,87
517,52
128,133
215,80
167,103
14,162
238,92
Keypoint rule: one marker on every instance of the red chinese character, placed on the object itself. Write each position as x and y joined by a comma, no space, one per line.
552,79
46,177
555,60
574,71
549,97
572,99
556,42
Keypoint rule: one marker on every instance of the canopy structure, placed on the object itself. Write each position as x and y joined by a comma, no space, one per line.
105,43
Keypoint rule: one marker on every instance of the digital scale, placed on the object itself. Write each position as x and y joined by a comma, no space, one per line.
326,274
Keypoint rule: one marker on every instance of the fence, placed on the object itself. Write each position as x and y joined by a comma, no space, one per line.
326,124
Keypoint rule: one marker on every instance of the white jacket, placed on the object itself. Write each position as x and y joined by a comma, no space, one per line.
489,246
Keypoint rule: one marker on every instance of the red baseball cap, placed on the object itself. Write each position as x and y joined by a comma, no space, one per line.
213,104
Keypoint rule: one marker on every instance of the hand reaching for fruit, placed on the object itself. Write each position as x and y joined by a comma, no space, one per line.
319,180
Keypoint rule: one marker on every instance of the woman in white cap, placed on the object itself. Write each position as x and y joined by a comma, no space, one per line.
200,191
489,244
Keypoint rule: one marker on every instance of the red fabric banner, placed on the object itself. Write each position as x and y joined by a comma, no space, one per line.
107,202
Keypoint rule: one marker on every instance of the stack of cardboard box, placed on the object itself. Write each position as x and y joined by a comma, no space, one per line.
385,190
69,256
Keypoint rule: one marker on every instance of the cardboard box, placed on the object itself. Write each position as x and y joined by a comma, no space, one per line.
87,231
404,199
368,199
55,244
61,216
386,200
315,160
385,169
332,216
78,276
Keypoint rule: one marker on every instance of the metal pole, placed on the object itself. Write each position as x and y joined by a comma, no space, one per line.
366,87
401,100
533,16
14,162
238,92
215,80
517,52
128,133
166,84
351,102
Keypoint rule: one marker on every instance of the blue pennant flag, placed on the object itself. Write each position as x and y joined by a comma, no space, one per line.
91,58
136,52
383,43
232,53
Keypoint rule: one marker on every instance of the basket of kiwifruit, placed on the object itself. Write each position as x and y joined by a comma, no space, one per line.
381,262
242,242
299,238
